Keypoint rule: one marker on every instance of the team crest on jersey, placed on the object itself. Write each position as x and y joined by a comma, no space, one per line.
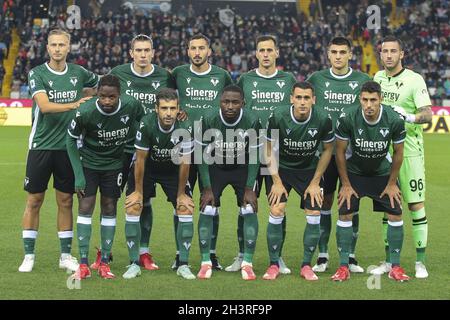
156,84
50,83
384,132
73,80
255,83
141,125
188,80
398,84
99,125
342,115
77,114
353,84
281,83
214,81
312,132
128,83
288,131
360,131
175,140
327,84
125,119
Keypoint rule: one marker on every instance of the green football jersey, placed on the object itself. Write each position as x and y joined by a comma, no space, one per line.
264,94
48,131
334,93
298,142
200,92
103,135
162,144
408,90
368,143
143,88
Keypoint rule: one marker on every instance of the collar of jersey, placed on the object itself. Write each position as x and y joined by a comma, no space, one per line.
231,124
300,122
108,114
350,71
267,77
378,120
141,75
162,129
57,72
200,73
395,75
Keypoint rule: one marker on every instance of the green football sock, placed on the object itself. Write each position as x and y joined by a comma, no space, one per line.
395,238
205,227
283,225
355,227
420,233
344,240
65,241
107,232
310,237
250,235
146,223
325,230
385,239
175,228
84,230
215,231
185,233
240,233
29,240
274,237
133,235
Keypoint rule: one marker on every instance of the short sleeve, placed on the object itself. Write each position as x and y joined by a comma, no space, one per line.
142,141
35,83
342,131
328,135
399,133
90,79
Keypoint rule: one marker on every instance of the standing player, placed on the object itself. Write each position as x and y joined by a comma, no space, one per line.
142,80
265,90
337,89
407,92
364,135
56,88
199,87
301,129
156,144
235,130
102,125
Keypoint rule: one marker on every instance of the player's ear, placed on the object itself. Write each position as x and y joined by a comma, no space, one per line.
402,54
313,99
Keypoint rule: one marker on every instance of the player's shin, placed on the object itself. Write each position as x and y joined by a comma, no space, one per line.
205,230
275,237
133,235
344,240
107,232
355,227
325,230
146,223
215,231
420,233
185,233
395,239
84,230
385,239
310,237
240,232
250,232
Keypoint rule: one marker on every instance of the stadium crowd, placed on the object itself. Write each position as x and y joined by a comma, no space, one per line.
102,42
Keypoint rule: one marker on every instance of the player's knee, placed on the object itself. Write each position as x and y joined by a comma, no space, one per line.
416,206
134,210
346,217
35,201
278,210
395,218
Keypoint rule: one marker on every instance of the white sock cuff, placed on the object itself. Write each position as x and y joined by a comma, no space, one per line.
313,219
185,218
275,220
325,212
84,220
395,223
108,222
65,234
143,250
248,209
131,218
209,211
344,224
352,255
29,234
323,255
355,213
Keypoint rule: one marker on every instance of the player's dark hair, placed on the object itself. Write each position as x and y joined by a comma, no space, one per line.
234,88
371,87
200,36
303,85
167,94
392,38
110,81
141,37
340,41
267,38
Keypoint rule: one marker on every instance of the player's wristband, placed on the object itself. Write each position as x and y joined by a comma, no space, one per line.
411,118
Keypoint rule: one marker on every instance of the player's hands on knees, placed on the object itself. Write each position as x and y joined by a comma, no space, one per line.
276,192
394,194
182,115
185,204
345,195
250,198
133,203
207,198
80,185
316,194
